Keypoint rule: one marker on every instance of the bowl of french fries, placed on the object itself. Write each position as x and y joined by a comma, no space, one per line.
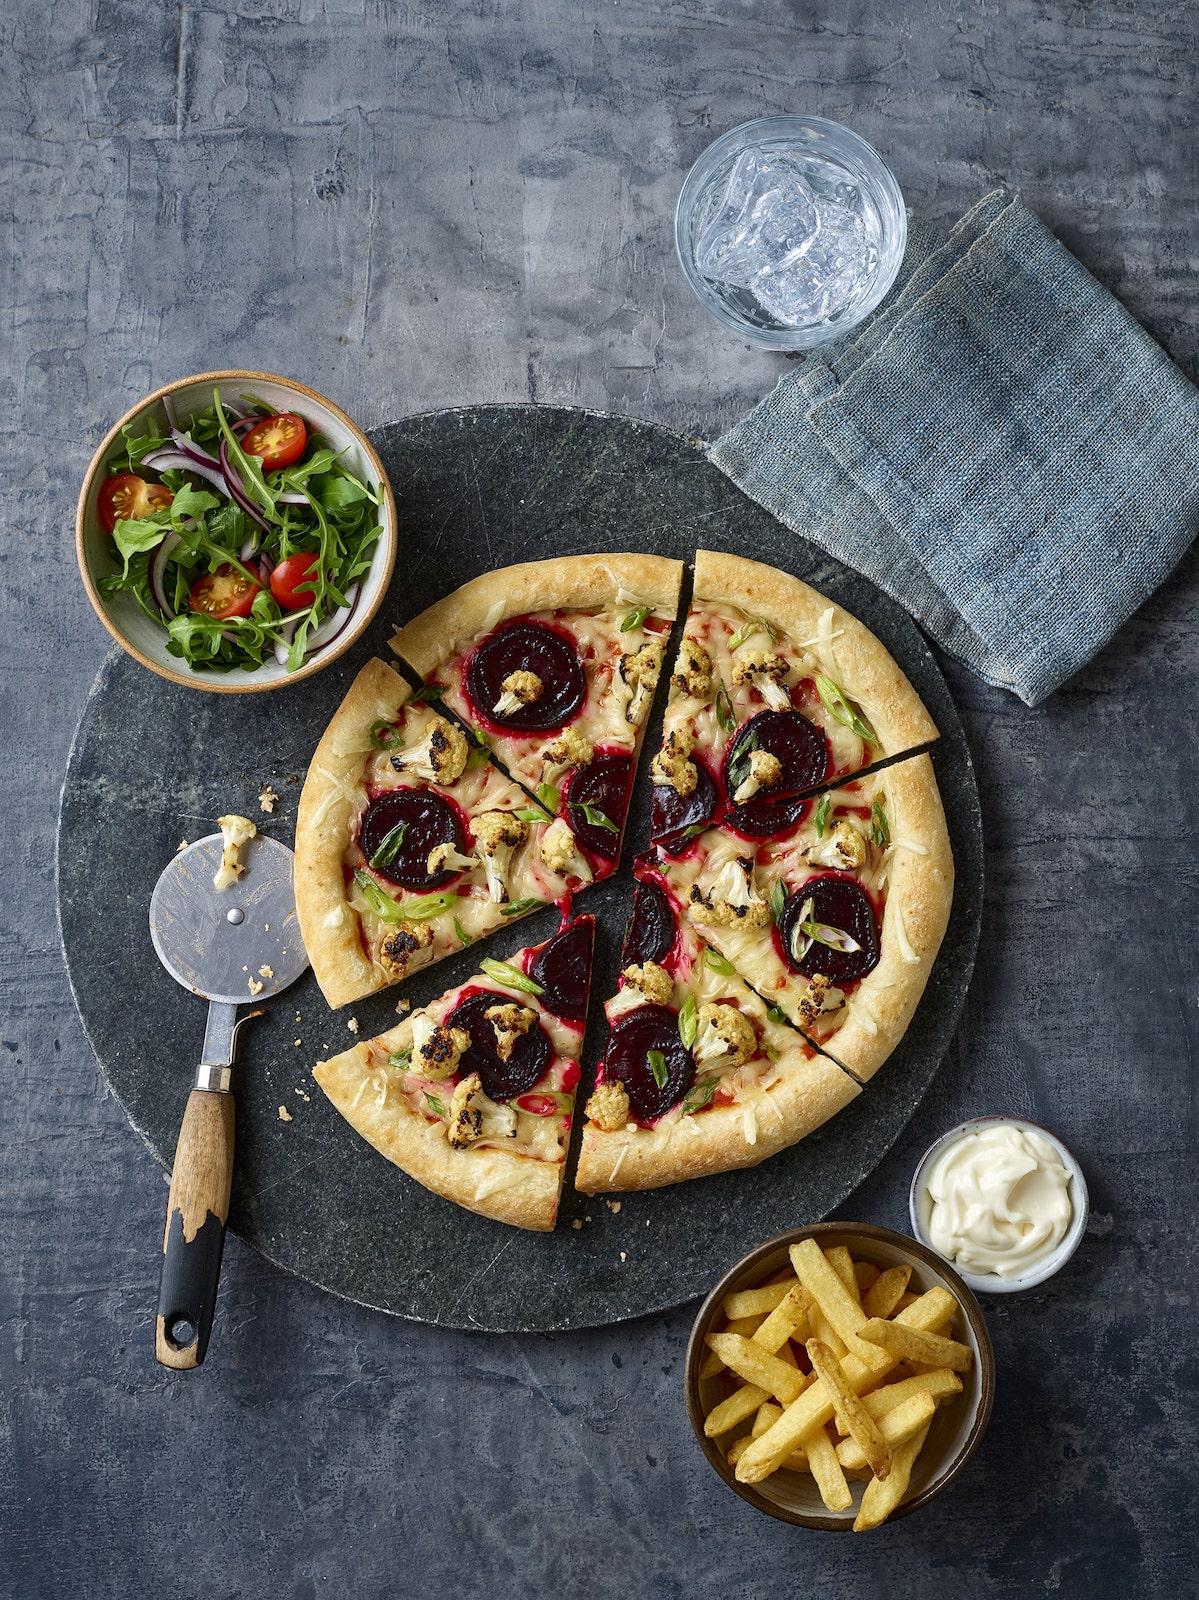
840,1375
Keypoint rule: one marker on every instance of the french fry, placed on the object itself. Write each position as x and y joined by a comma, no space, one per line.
885,1293
858,1422
797,1461
882,1497
737,1449
823,1330
757,1367
836,1304
940,1382
814,1406
785,1320
755,1302
826,1469
905,1300
785,1353
896,1427
913,1344
839,1258
768,1415
744,1325
735,1409
867,1275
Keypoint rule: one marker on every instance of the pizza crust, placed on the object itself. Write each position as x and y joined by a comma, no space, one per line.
919,900
716,1139
519,1190
573,583
857,661
331,798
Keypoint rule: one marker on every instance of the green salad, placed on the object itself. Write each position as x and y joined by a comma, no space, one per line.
241,532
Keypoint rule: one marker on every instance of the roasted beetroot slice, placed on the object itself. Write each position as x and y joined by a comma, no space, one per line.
527,646
501,1079
602,787
651,929
802,751
838,902
649,1027
676,818
428,819
563,969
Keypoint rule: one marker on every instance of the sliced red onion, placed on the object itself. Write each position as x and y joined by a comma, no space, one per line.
292,497
248,548
332,626
281,647
244,424
189,447
266,564
237,489
168,405
158,567
166,460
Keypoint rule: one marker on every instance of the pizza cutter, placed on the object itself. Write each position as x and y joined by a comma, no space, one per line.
229,946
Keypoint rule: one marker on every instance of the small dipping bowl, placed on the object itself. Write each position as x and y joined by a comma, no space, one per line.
956,1430
920,1209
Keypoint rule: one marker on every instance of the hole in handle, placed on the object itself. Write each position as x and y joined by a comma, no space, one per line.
181,1333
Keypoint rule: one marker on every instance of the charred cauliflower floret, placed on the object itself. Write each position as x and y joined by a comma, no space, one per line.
818,997
570,749
723,1035
651,981
436,1050
497,835
510,1022
640,670
448,858
406,949
842,846
763,670
765,771
692,673
560,851
235,831
473,1116
520,688
440,757
672,766
732,901
608,1106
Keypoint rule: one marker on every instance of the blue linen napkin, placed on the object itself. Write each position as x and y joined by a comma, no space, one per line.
1001,447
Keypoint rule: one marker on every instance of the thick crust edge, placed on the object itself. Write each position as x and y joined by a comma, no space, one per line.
530,1199
576,583
326,816
920,896
715,1140
863,667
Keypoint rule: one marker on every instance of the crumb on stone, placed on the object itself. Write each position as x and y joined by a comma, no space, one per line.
624,1255
297,1041
403,1006
576,1223
284,1114
256,987
613,1206
267,798
182,845
352,1024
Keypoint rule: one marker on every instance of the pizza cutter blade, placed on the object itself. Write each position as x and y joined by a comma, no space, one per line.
231,947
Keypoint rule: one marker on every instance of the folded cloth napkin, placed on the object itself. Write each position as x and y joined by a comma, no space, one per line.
1001,447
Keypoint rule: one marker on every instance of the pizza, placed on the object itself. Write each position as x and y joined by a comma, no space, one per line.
557,662
786,918
697,1075
473,1094
410,842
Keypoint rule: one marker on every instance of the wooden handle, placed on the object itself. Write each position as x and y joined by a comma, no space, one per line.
195,1232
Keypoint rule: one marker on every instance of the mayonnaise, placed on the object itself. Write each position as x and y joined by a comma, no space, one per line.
998,1199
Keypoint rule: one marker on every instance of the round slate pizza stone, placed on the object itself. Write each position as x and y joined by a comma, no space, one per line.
154,764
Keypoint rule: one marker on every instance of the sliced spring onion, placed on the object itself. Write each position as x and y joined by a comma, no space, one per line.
838,706
688,1021
657,1065
390,848
511,977
593,814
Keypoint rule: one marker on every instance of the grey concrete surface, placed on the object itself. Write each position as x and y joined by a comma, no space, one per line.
413,206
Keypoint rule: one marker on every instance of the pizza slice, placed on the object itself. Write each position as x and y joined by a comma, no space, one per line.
410,842
836,923
557,663
775,691
697,1076
473,1094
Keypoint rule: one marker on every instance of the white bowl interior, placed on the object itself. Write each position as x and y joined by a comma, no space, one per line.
920,1210
146,635
951,1426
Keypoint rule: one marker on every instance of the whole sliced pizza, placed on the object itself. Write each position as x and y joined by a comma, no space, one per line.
786,917
472,1095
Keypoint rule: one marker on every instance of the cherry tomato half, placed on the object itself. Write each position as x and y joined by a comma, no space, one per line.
127,498
293,580
224,593
279,440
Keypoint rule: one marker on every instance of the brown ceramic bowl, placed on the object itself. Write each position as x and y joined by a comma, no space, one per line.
956,1429
146,639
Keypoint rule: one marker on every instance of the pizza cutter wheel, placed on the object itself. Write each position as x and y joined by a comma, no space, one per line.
230,947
